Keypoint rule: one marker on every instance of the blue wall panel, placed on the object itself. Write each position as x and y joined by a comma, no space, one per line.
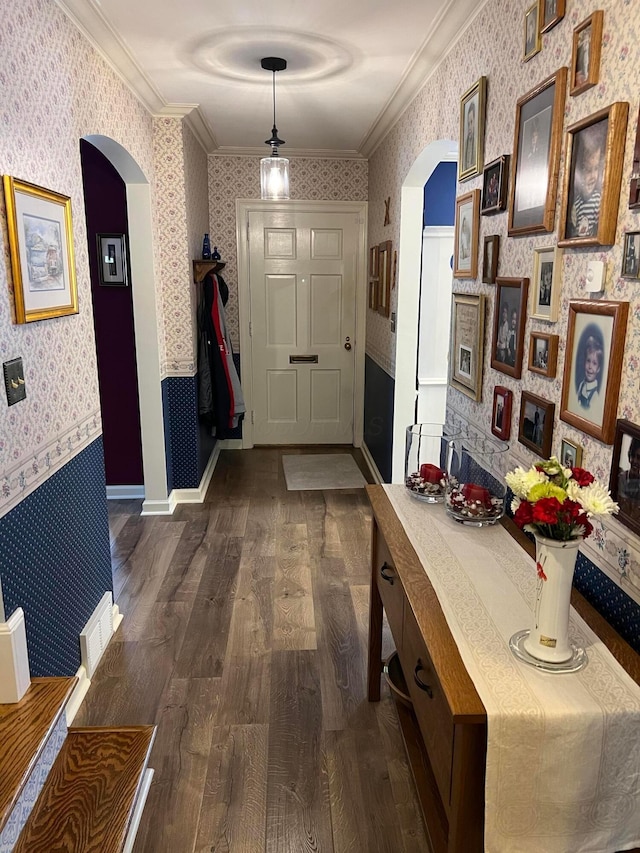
440,195
378,415
182,431
55,560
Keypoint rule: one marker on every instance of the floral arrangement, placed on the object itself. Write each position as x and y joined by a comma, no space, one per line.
557,502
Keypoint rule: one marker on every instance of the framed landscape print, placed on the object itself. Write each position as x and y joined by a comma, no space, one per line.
471,134
552,12
592,177
585,56
624,481
570,454
467,343
545,291
631,255
593,365
501,412
490,258
536,156
543,354
495,182
532,42
112,259
465,253
508,325
41,250
535,429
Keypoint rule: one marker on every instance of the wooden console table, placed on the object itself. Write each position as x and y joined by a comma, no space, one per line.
446,733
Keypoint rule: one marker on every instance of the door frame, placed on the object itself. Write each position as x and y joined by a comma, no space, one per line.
244,207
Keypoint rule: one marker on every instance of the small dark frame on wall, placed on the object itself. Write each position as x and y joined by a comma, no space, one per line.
543,354
585,56
552,14
112,260
570,454
490,258
535,429
592,176
509,320
384,278
501,413
495,183
593,366
624,481
631,255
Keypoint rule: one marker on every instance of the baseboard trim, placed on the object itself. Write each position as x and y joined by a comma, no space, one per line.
165,507
125,493
117,617
79,692
190,496
373,468
141,799
230,444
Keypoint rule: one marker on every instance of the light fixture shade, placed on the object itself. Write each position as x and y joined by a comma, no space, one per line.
274,178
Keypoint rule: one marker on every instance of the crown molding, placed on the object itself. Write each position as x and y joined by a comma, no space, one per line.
197,123
316,153
450,26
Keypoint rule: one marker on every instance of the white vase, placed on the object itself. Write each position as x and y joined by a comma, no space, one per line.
549,636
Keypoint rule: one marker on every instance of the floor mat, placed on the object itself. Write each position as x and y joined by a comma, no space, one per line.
322,471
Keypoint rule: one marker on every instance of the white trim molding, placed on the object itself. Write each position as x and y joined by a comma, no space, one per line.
373,468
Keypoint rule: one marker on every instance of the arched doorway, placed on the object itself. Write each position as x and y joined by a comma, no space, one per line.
141,258
410,256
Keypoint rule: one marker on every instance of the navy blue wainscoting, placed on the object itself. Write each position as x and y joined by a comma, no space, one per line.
378,415
55,560
181,431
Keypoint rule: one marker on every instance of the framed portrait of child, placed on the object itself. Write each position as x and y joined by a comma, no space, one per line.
592,176
593,366
624,482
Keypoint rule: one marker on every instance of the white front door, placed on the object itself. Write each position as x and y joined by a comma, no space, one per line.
303,269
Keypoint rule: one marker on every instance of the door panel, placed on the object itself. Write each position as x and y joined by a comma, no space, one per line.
282,396
326,310
280,310
325,396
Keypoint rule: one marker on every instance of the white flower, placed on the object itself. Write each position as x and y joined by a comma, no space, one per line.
515,505
574,491
596,500
521,482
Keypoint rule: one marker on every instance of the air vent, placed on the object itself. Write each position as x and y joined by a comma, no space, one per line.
95,636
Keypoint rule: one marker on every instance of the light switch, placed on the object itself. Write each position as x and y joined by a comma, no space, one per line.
595,276
14,381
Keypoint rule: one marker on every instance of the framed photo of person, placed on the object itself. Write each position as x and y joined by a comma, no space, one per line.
552,12
495,182
532,41
490,258
547,274
471,136
384,278
631,256
536,156
592,177
570,454
593,365
624,481
535,429
508,325
543,354
501,412
467,344
585,55
465,252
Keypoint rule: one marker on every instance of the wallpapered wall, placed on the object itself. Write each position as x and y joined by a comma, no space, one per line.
434,115
231,178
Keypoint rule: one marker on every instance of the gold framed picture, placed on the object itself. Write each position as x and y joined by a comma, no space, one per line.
585,54
467,225
471,133
547,275
532,40
467,343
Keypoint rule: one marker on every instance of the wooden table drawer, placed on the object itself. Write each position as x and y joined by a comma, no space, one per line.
429,704
390,588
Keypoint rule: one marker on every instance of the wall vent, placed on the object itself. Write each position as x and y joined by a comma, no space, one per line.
95,636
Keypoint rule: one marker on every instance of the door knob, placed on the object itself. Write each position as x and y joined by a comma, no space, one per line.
347,346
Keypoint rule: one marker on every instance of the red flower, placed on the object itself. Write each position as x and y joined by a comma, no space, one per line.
524,514
545,511
582,477
583,521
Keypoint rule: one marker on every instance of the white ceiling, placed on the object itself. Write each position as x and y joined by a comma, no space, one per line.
352,66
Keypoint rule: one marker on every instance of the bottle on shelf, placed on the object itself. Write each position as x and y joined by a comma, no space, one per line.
215,256
206,248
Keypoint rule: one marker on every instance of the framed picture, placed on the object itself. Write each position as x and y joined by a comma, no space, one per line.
373,294
592,177
543,354
547,274
501,412
490,258
495,182
532,42
41,250
508,325
585,55
467,344
593,365
570,454
384,278
552,12
536,156
112,259
631,256
634,185
535,430
624,481
471,134
465,253
373,262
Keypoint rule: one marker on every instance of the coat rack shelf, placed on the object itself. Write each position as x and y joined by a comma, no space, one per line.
201,268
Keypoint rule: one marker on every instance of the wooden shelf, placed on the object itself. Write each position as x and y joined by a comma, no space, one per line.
201,268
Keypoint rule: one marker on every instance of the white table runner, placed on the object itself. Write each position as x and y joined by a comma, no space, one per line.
563,751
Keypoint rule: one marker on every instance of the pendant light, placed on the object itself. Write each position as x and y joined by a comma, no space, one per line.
274,170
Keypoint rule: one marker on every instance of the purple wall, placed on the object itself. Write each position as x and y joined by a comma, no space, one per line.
106,213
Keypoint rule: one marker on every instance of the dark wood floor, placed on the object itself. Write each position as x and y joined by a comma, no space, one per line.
244,640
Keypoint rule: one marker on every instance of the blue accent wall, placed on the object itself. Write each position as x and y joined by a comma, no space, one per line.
378,415
440,195
55,560
182,431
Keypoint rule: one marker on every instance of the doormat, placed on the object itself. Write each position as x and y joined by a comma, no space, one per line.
322,471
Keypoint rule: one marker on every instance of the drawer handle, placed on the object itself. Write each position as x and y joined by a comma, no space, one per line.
386,577
419,668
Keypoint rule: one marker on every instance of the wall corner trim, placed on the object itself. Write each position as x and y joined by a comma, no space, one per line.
373,468
79,692
191,496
